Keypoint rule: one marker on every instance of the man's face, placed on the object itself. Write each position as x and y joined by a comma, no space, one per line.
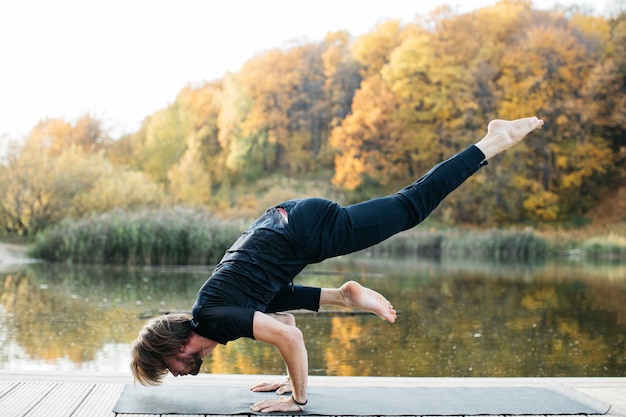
184,363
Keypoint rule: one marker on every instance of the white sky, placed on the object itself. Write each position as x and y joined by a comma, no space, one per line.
121,60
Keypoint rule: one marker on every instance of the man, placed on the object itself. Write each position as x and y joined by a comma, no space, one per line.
252,285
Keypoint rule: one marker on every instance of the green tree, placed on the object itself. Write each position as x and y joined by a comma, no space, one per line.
189,179
232,137
161,142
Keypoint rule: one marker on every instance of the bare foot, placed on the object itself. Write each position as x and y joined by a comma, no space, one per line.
502,134
357,296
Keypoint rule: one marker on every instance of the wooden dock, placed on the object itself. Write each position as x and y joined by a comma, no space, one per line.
39,394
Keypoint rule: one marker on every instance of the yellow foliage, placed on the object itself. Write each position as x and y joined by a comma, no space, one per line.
349,170
542,205
366,137
189,180
373,49
127,190
164,143
596,30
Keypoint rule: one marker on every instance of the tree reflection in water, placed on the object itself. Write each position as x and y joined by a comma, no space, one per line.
455,319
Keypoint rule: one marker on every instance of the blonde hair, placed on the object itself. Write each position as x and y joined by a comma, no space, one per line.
160,337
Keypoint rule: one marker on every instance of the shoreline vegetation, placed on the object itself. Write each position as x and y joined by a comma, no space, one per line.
186,236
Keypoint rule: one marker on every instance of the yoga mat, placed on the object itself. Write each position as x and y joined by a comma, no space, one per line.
362,401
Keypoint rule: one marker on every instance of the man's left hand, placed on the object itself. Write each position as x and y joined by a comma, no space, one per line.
280,387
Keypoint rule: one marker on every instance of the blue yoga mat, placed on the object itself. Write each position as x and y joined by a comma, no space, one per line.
363,401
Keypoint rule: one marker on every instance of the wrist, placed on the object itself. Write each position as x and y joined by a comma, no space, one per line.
299,404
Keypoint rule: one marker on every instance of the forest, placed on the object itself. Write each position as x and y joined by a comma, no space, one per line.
349,118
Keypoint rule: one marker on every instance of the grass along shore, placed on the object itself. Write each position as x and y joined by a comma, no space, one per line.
183,236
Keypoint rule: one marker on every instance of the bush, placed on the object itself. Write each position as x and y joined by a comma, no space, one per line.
611,248
167,236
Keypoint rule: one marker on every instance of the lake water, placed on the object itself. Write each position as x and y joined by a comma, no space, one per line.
455,319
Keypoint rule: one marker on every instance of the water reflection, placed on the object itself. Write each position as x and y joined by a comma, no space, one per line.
456,319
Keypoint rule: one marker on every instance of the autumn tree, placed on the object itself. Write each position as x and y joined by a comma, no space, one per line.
544,74
308,114
191,178
375,141
56,174
269,79
53,136
44,174
372,50
160,142
366,138
39,188
604,94
232,137
429,90
341,76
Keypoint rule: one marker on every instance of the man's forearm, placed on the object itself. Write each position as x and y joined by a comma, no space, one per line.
297,364
289,341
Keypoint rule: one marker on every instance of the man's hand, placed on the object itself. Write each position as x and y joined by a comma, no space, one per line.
280,387
284,404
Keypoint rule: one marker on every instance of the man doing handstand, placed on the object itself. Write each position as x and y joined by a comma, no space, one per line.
252,285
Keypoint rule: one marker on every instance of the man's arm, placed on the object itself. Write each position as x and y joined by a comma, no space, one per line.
290,343
283,387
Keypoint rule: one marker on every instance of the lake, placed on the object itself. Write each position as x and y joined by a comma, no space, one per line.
456,319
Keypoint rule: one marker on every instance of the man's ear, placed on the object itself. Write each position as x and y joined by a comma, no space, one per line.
185,346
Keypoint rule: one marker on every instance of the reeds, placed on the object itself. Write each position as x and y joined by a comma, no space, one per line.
498,246
185,236
611,248
492,245
168,236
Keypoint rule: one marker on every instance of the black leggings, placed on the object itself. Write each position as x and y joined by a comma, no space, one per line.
325,229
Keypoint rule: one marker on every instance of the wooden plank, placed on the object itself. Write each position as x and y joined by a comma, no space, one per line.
19,401
6,387
100,401
62,400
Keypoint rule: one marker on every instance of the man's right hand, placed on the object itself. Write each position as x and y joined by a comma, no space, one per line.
280,387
